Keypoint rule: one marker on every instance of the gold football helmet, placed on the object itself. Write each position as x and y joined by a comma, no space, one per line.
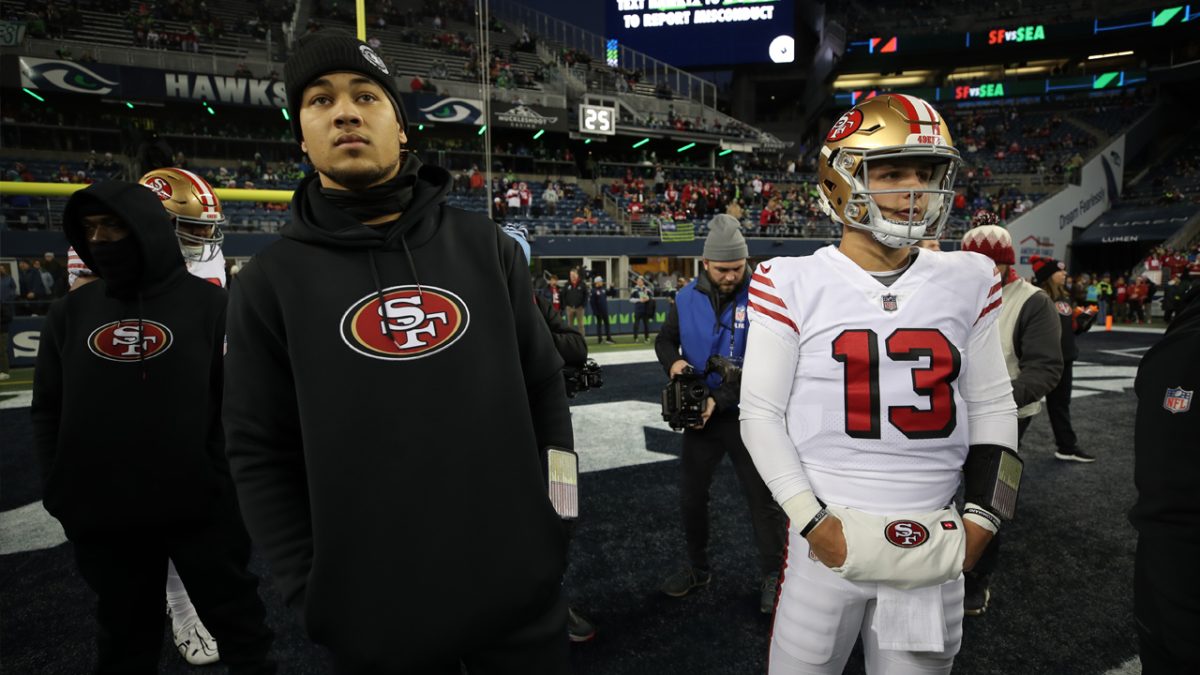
194,208
887,129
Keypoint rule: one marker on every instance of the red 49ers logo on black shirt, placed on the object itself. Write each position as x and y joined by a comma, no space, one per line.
123,341
411,323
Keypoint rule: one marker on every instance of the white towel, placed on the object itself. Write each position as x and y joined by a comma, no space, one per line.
910,620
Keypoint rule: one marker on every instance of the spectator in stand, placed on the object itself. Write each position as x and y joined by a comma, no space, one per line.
574,300
550,198
525,196
1049,275
599,302
1154,265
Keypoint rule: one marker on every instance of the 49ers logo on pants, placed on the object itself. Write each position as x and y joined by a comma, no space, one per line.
906,533
410,323
123,341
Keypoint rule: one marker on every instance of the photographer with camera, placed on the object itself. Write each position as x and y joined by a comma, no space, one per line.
709,319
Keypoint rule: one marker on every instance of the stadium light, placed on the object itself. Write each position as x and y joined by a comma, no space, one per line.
1112,55
128,105
635,145
286,116
689,146
725,152
27,91
481,130
539,134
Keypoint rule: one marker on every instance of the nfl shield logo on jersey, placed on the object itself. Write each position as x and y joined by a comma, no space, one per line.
1178,400
889,302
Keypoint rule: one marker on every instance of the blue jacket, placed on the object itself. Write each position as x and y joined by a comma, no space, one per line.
599,300
701,333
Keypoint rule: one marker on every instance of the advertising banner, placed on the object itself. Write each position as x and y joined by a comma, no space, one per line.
1048,228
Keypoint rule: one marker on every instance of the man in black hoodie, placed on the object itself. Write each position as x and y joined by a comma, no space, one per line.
1166,469
386,420
127,427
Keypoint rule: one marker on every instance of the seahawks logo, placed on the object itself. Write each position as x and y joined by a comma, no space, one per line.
464,110
373,58
66,76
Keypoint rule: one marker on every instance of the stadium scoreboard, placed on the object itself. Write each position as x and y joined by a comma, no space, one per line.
687,33
597,119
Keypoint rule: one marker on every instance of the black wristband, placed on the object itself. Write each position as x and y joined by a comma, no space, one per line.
816,520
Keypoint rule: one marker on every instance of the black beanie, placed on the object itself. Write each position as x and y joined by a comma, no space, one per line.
1044,268
330,52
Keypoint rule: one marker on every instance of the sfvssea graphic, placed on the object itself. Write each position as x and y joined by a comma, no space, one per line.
407,322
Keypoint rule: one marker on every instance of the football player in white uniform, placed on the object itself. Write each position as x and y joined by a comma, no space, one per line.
196,212
874,385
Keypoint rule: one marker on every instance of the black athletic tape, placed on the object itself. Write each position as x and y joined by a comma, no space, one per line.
991,479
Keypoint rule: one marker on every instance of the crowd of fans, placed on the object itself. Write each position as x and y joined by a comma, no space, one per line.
1164,274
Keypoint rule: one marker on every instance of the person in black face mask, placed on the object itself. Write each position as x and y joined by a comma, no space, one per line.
389,421
126,421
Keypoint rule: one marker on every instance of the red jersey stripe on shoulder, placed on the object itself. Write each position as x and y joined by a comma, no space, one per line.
765,311
765,281
995,303
768,297
995,289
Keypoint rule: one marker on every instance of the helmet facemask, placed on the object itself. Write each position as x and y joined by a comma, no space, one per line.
198,248
863,211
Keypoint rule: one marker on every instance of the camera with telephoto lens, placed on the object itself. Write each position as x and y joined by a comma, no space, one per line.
582,378
684,398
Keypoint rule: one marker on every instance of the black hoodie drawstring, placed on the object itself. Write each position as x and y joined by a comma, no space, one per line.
387,325
141,338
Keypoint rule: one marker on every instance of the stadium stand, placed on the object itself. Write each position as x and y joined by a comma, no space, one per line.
220,27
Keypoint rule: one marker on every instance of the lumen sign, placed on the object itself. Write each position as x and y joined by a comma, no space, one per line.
1001,36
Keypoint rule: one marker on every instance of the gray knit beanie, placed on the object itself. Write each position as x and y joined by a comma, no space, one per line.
725,242
330,52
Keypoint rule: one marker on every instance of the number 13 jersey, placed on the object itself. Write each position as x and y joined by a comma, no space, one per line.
891,382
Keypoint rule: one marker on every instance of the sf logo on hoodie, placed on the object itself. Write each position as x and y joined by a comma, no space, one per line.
409,323
124,341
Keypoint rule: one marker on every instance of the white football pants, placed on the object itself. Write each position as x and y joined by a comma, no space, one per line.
820,616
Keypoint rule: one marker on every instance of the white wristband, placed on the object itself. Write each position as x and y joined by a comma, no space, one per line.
981,517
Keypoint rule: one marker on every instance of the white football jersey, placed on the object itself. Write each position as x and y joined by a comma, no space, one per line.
75,267
877,411
212,270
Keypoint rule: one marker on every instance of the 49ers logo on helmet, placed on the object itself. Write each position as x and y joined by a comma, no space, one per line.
161,188
906,533
410,323
846,125
123,341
